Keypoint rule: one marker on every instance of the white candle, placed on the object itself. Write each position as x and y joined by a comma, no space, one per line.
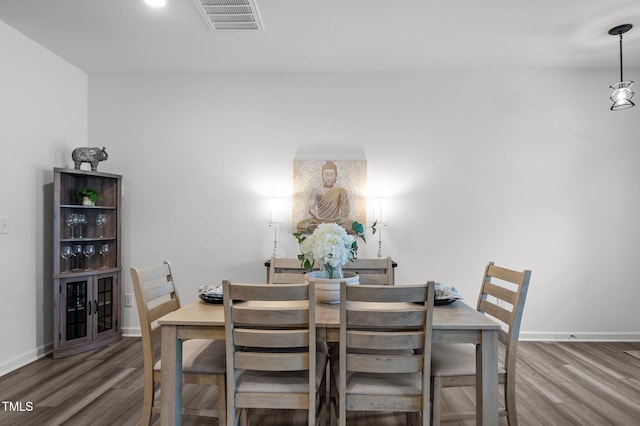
274,204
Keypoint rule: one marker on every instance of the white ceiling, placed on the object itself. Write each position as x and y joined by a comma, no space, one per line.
333,35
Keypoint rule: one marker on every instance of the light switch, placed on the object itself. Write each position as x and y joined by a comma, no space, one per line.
4,225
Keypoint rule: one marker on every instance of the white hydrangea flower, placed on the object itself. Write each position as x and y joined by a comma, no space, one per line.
329,244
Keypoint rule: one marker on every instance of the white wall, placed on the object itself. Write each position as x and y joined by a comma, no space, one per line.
43,110
526,168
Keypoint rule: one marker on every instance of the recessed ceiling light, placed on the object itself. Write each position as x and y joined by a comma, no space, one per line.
157,3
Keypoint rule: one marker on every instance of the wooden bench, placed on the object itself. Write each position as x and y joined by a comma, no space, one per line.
371,271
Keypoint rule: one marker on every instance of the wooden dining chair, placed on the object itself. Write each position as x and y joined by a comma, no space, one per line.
203,361
385,349
285,271
370,271
272,361
502,296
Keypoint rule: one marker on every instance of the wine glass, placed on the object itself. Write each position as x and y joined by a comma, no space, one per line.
89,251
101,219
77,252
82,220
71,221
66,253
104,251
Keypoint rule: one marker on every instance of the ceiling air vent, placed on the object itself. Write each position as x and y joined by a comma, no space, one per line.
230,15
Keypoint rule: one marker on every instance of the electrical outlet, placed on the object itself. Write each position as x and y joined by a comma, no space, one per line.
128,300
4,225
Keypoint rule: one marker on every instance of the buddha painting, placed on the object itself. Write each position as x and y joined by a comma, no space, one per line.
327,196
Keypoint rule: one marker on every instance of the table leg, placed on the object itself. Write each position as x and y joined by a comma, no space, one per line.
487,379
171,356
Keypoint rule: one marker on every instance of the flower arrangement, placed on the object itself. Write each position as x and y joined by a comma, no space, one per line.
330,246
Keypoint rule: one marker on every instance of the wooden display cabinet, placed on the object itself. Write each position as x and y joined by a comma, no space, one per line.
86,265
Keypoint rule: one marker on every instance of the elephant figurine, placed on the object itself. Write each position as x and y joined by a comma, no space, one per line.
89,155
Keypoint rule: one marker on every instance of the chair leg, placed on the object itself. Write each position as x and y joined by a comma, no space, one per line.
436,395
222,399
147,400
322,402
425,418
510,400
333,399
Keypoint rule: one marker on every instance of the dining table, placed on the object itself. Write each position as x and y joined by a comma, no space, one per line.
453,323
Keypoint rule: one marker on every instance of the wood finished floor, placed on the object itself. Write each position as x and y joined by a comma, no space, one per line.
566,383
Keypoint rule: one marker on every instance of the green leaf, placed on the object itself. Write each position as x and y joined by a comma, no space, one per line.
299,237
357,227
89,193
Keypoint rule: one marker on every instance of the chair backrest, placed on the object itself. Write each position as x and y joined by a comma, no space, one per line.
155,296
285,271
386,329
269,328
370,271
502,296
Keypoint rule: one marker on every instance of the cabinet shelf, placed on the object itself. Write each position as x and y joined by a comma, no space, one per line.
86,301
84,273
80,206
86,239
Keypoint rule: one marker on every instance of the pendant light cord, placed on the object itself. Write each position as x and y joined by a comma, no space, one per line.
621,79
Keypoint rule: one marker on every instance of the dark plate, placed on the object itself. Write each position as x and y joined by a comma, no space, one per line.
442,302
211,299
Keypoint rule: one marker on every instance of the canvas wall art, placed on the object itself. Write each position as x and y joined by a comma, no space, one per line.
328,191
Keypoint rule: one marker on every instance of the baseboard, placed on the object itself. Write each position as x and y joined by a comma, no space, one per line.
131,332
44,350
580,337
26,358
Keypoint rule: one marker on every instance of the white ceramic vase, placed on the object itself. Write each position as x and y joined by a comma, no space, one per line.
328,289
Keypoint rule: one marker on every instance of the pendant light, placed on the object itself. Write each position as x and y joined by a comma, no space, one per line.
622,92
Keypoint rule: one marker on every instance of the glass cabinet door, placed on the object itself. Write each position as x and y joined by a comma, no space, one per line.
76,311
104,303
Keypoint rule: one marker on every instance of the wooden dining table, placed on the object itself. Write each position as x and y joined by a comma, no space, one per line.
454,323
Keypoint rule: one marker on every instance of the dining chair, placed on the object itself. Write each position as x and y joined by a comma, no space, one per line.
385,349
272,361
370,271
203,361
284,270
502,296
